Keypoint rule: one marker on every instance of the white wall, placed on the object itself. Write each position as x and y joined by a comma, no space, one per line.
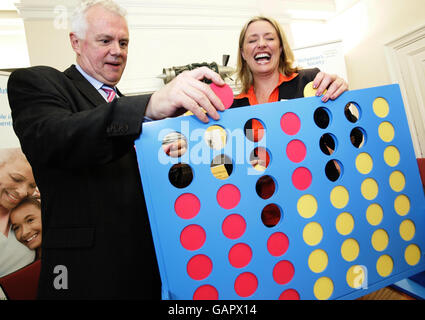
365,28
163,34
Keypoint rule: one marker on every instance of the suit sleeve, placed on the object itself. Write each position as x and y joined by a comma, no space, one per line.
56,132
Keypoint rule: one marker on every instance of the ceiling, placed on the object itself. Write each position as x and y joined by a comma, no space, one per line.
322,10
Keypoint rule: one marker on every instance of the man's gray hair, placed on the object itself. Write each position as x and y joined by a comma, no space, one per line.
79,21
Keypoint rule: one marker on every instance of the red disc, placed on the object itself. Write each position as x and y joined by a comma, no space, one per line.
290,123
240,255
246,284
301,178
296,151
233,226
187,206
192,237
289,294
277,244
283,272
199,267
205,292
228,196
224,93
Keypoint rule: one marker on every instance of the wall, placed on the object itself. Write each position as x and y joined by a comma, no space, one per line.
365,28
163,34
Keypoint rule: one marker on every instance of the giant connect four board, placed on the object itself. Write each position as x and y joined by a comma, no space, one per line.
296,199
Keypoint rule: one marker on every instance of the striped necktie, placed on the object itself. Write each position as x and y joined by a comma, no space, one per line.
110,92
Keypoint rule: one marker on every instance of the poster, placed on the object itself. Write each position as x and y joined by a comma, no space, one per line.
8,138
16,259
328,57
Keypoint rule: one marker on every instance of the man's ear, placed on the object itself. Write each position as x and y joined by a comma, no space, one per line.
75,42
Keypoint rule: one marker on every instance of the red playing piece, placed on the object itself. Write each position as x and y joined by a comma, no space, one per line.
224,93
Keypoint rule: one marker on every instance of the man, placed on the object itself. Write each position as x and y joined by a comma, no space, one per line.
97,241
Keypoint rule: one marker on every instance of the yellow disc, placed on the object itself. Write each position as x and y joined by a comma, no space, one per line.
397,181
407,230
215,137
381,107
323,288
386,131
374,214
402,205
307,206
309,91
350,250
380,240
339,197
369,189
312,233
318,261
384,265
412,254
344,223
391,156
356,275
364,163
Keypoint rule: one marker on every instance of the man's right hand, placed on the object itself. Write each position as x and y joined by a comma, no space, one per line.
187,92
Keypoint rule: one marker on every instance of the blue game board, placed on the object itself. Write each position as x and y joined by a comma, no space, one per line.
311,235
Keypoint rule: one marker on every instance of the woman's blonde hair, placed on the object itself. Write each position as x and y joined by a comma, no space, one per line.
243,73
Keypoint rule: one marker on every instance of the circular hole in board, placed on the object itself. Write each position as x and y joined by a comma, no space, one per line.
265,187
322,117
352,112
254,130
180,175
221,167
358,137
334,170
215,137
260,158
328,143
271,215
174,144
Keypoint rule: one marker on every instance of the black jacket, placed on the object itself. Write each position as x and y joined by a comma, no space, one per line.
94,216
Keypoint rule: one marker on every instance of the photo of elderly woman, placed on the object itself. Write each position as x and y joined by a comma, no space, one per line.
16,183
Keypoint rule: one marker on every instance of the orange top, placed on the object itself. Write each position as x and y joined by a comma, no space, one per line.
274,96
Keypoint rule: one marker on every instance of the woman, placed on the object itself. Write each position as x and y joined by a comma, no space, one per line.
26,223
16,183
266,73
265,68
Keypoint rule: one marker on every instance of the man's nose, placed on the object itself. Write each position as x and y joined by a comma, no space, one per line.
115,48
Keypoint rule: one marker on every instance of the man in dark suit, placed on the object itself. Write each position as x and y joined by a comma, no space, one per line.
78,137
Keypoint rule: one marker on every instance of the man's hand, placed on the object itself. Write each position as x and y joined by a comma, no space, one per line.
187,93
334,85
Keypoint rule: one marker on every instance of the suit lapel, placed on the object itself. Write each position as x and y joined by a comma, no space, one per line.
84,86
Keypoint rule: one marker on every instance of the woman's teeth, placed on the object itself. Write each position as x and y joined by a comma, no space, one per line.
32,237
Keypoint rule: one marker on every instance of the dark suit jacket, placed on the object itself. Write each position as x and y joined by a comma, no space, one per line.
94,216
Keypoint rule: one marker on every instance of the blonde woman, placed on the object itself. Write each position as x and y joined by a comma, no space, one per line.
265,67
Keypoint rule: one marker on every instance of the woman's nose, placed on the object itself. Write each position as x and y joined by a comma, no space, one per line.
25,231
261,42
